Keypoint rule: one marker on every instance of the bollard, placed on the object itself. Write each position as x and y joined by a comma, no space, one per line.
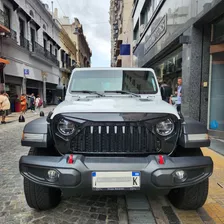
21,118
41,114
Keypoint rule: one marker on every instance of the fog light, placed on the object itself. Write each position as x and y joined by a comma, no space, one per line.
180,175
52,175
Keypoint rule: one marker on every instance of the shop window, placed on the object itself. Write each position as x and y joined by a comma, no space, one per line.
217,92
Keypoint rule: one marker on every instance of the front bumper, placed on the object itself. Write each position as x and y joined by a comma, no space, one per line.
77,176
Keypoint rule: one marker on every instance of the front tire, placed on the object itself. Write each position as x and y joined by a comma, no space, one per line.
193,197
190,198
37,196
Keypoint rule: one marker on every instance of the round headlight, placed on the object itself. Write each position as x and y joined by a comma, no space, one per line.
165,128
66,127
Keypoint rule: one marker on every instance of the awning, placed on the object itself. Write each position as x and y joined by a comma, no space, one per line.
4,61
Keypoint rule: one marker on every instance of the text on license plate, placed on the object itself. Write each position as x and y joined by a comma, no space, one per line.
116,180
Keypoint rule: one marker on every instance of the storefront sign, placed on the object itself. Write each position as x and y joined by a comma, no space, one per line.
152,39
26,71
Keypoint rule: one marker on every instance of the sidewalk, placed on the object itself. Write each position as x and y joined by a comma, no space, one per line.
217,145
215,203
15,115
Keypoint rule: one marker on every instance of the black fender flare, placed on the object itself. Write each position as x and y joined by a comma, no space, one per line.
194,134
37,133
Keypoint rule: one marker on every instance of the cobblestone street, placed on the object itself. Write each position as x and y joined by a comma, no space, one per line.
95,209
13,207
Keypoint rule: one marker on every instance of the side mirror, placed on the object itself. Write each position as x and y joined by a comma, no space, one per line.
48,119
166,91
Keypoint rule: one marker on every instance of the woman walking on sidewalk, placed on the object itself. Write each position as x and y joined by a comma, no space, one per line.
38,102
23,103
4,106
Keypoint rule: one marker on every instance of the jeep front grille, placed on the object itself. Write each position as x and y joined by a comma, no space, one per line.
114,138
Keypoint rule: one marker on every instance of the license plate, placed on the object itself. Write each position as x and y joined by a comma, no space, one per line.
116,180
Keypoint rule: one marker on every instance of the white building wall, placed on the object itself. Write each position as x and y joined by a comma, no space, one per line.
21,58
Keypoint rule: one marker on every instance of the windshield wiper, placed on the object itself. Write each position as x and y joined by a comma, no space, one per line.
87,91
124,92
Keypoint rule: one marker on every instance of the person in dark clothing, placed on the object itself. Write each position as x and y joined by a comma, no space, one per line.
179,94
32,102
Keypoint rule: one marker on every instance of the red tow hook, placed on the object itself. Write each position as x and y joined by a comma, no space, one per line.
161,160
70,159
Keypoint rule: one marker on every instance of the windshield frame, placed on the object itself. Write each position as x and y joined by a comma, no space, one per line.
71,91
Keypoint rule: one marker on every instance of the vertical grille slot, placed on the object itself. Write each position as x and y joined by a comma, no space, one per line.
113,138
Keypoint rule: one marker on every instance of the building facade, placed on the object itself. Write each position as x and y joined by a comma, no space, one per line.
32,48
121,31
68,56
185,39
116,8
76,34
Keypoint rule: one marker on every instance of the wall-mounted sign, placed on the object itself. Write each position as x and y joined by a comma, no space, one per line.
26,71
154,37
125,49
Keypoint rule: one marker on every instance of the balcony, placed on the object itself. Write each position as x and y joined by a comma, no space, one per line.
40,52
24,43
4,22
11,36
65,67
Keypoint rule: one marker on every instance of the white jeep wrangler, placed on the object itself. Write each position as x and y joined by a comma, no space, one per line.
113,133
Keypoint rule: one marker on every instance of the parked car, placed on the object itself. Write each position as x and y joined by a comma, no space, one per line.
107,135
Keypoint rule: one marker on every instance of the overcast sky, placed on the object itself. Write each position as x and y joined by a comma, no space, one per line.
94,15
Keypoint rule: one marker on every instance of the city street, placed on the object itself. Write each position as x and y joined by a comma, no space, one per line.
81,209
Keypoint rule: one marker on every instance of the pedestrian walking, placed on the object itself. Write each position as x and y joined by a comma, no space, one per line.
4,106
23,103
179,94
32,102
38,103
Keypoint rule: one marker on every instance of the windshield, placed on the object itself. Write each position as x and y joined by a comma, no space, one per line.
140,82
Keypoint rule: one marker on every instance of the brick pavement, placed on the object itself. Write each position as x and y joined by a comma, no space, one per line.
215,204
213,210
13,207
80,209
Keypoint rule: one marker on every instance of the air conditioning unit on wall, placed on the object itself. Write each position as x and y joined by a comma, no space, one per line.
142,28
